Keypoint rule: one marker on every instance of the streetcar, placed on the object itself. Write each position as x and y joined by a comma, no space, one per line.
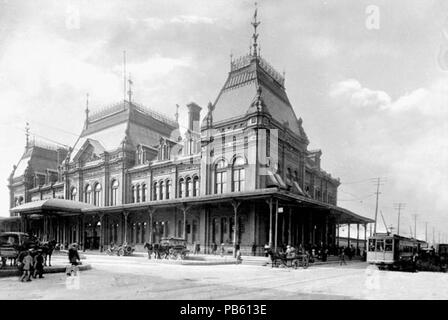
393,251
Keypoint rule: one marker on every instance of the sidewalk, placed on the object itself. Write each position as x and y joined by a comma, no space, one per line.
14,272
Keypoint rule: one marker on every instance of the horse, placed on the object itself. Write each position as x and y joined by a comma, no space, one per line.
150,248
47,250
161,251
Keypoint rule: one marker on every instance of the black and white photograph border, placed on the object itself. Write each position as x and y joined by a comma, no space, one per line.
224,150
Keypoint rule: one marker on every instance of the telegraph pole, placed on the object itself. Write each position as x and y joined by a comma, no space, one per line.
426,232
399,206
415,225
378,183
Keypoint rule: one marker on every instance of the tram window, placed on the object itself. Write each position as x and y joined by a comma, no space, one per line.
371,244
380,245
388,246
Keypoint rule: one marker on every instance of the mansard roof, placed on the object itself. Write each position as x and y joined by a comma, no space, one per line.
247,76
106,129
39,157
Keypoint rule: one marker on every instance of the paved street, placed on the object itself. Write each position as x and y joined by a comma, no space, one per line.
138,278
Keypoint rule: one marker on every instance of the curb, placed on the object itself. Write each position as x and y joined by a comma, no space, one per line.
57,269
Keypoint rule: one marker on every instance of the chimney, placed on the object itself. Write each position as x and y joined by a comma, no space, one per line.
194,112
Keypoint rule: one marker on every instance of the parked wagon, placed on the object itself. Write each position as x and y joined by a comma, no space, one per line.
176,248
12,243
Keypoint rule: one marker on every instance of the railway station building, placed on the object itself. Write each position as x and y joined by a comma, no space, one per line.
241,174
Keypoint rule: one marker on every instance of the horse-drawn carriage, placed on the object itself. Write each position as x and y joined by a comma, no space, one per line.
293,260
13,243
168,248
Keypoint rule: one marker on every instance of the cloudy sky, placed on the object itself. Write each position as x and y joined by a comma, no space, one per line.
369,79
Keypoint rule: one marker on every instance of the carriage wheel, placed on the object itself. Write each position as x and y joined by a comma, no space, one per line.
296,263
305,263
120,252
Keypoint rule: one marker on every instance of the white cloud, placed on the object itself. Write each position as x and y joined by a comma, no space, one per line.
404,139
360,96
157,23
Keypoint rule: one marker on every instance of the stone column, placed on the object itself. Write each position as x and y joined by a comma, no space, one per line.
269,202
125,220
235,205
276,224
290,227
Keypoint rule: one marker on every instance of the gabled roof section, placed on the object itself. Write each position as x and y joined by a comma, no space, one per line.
127,121
247,75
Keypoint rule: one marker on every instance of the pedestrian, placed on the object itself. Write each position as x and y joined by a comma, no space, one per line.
223,250
73,255
38,264
342,256
214,248
27,263
266,250
254,249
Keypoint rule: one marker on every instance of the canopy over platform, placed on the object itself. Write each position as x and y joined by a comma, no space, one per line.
285,198
60,206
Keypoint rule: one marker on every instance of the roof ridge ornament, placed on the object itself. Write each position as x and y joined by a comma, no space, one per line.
255,24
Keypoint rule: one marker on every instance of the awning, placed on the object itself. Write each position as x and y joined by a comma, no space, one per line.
52,205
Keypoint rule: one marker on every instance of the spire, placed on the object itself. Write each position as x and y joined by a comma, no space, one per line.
124,77
255,24
87,110
27,134
130,88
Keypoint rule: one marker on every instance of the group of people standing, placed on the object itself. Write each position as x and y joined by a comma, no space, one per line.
31,262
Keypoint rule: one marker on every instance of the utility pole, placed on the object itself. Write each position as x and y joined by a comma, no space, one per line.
415,225
399,206
433,236
378,183
426,232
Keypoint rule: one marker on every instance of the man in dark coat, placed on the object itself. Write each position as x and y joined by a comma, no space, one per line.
38,265
73,255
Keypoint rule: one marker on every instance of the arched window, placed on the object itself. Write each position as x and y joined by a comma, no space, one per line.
137,193
144,189
162,189
88,194
158,195
220,177
189,187
113,193
238,175
133,194
97,195
195,186
181,187
73,193
154,191
168,189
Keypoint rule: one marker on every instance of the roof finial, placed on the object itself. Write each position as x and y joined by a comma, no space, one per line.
130,88
27,134
87,110
124,78
255,24
176,115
